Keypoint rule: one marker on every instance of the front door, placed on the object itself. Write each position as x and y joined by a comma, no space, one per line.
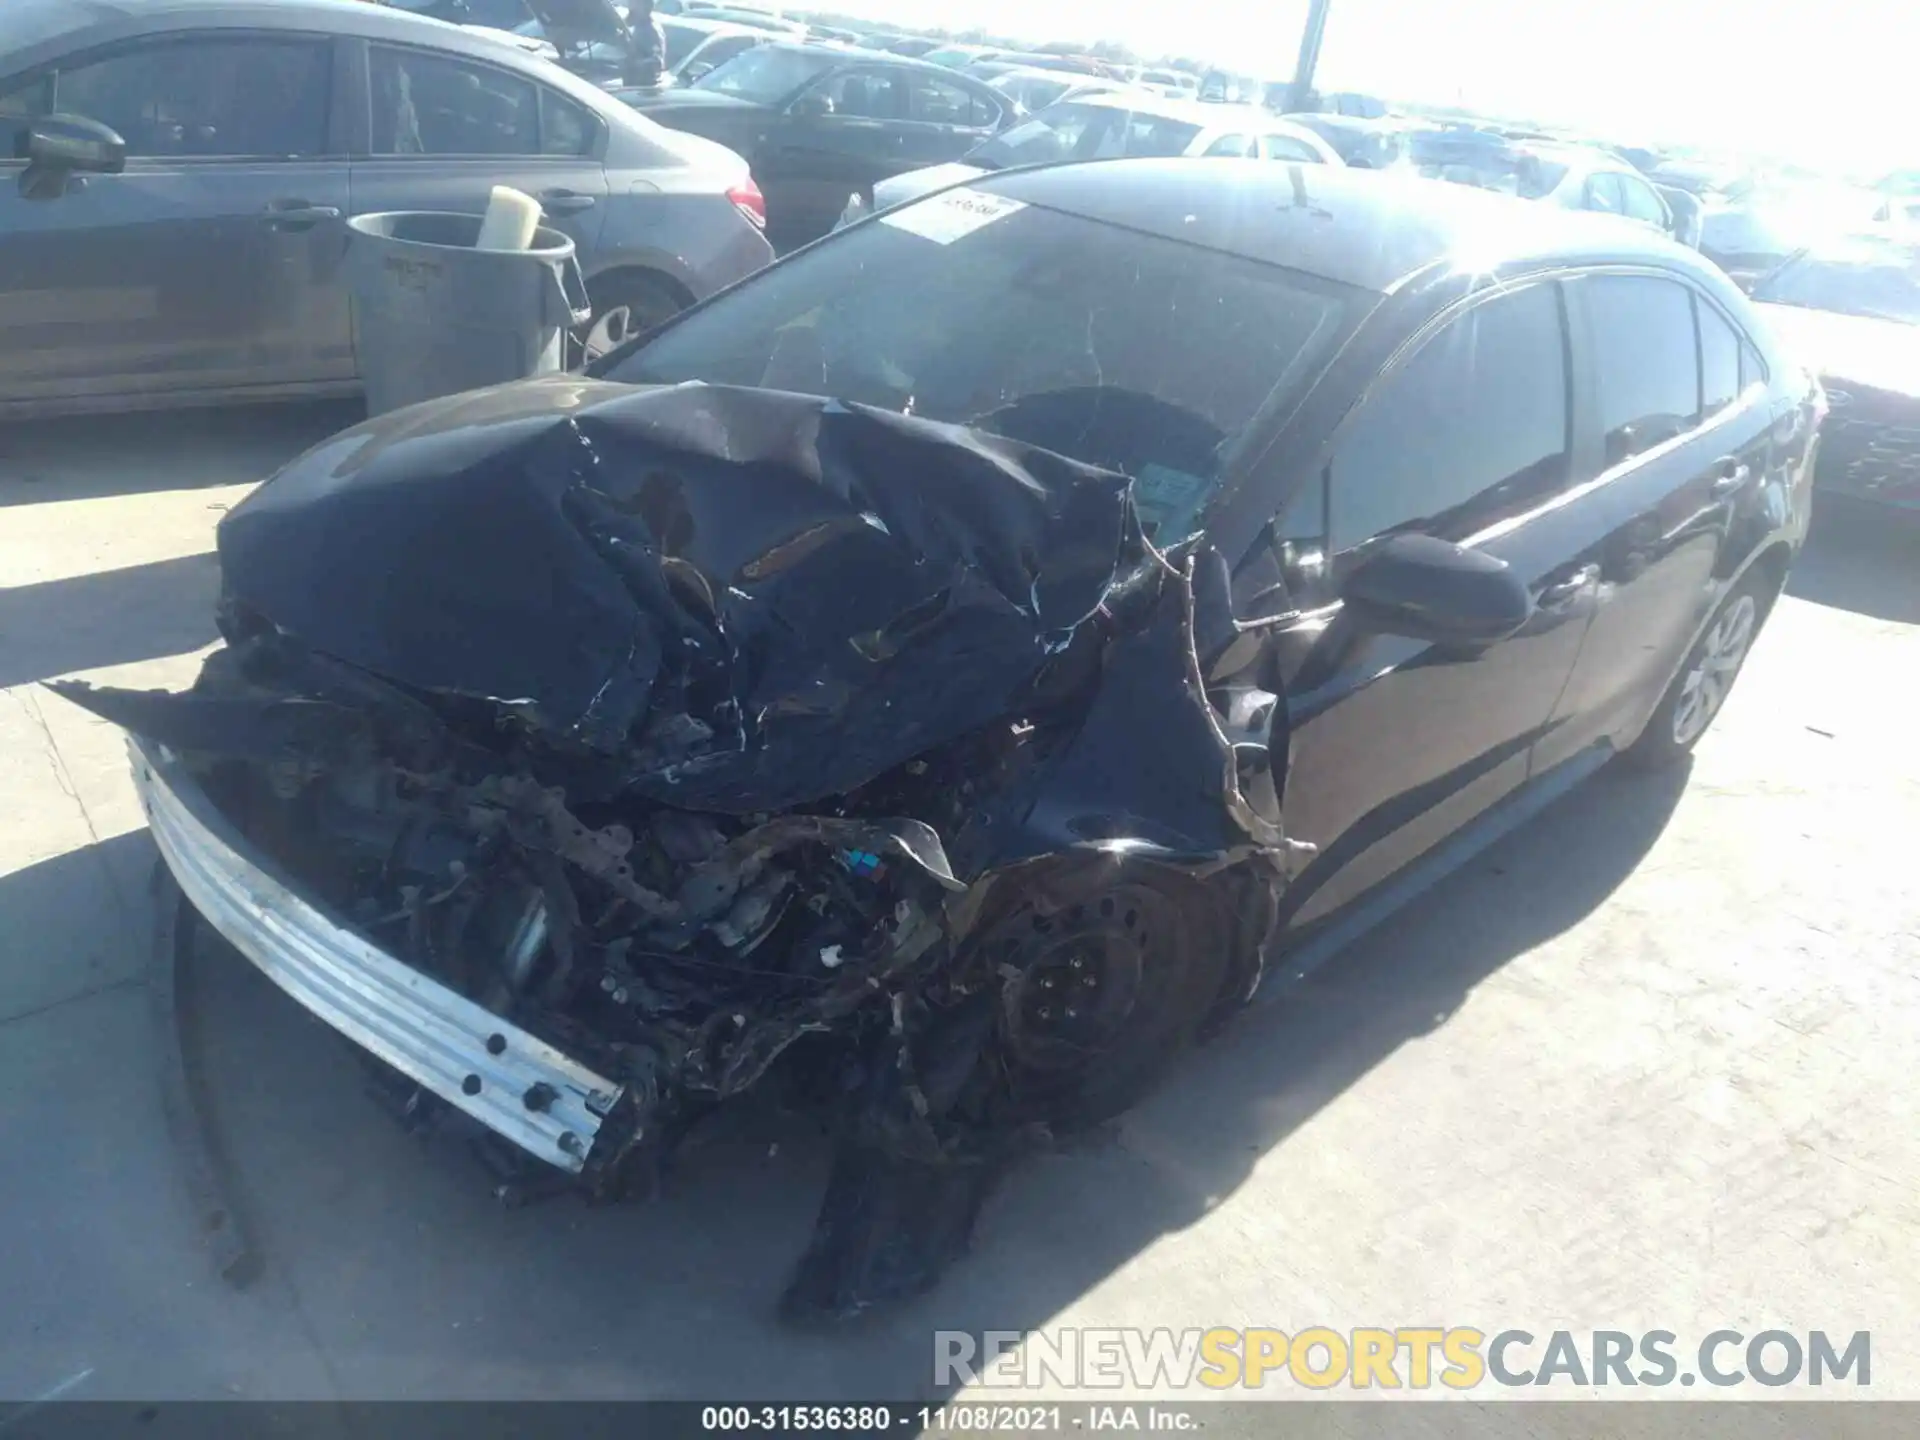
447,129
214,263
1396,743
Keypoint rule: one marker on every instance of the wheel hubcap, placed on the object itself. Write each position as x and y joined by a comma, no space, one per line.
1704,688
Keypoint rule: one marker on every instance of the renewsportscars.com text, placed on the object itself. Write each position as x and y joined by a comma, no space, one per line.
1402,1357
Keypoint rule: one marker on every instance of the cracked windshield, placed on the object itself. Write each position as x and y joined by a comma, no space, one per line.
958,716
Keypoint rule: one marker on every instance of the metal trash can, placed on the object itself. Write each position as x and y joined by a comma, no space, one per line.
433,316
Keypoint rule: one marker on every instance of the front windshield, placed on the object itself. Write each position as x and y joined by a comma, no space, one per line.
1121,349
765,74
1880,282
1075,130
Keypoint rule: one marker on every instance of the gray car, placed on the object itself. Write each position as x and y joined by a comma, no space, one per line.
209,270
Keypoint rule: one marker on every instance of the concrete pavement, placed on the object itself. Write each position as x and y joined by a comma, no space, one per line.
1646,1065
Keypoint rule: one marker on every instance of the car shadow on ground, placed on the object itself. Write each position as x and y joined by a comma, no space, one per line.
1863,558
110,617
89,456
417,1284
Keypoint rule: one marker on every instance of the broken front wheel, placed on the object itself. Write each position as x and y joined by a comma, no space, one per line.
1101,986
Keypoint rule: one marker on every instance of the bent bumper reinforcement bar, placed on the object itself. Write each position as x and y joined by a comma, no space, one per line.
466,1055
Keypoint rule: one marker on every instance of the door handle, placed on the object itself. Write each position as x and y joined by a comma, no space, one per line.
298,215
1728,476
1563,591
564,202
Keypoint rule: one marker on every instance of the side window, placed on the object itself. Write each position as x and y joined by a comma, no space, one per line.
862,95
565,128
1646,368
985,113
1290,148
208,96
425,104
1471,430
1603,194
1753,369
934,102
1642,203
1720,383
21,102
1233,146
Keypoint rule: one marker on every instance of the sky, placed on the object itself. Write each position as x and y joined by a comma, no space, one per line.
1814,80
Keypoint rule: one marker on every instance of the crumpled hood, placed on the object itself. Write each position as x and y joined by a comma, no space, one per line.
1883,354
747,600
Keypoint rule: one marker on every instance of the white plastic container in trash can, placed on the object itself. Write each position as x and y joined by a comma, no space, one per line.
432,315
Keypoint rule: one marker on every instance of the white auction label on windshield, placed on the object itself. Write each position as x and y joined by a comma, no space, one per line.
944,218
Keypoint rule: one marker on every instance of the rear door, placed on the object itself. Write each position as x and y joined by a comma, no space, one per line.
214,262
836,138
944,120
446,129
1396,743
1673,444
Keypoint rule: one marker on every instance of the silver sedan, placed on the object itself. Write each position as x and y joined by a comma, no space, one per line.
209,269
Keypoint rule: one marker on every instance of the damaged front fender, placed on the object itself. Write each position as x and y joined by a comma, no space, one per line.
591,765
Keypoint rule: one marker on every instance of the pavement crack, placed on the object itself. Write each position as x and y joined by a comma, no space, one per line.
74,999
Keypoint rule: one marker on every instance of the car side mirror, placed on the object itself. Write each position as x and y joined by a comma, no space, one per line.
57,147
811,106
1430,589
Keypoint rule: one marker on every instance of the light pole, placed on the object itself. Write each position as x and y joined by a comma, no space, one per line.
1309,60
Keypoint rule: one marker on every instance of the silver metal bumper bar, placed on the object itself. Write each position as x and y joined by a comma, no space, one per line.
514,1084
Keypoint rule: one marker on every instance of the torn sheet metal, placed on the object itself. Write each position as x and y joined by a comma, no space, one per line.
681,741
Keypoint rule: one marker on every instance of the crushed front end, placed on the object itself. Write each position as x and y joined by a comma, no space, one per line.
591,756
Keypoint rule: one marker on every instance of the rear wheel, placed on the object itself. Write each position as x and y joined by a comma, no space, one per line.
1101,987
625,304
1700,689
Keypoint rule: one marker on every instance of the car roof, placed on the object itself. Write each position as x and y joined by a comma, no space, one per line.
1373,229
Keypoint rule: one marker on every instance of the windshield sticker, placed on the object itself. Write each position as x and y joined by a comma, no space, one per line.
1169,500
944,218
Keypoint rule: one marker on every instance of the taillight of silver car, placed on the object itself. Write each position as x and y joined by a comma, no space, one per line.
748,200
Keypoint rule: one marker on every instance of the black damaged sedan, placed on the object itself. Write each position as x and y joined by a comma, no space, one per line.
945,674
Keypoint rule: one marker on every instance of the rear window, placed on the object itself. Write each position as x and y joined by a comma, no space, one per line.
1120,349
766,73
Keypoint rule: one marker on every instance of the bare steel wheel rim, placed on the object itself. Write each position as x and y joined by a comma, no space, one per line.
1704,688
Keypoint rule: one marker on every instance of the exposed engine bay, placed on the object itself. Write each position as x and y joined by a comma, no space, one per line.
726,738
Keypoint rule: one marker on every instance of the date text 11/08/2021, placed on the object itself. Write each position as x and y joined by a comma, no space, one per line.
958,1418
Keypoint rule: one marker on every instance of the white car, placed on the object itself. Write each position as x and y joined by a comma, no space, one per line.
1034,90
1574,177
1123,124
